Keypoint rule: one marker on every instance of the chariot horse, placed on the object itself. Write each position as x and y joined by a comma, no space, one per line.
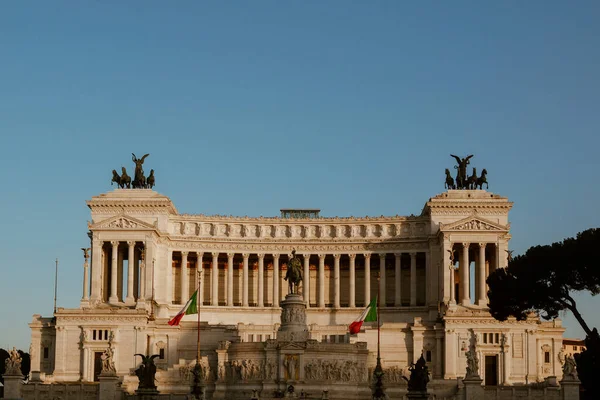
482,179
449,180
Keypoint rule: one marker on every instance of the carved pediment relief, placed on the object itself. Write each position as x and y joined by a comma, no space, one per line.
474,224
121,222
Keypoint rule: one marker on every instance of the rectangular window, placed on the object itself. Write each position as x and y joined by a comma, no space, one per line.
251,338
574,348
94,334
428,356
497,338
485,338
161,354
547,357
46,351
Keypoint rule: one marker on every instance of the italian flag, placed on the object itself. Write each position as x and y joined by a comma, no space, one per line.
191,307
368,315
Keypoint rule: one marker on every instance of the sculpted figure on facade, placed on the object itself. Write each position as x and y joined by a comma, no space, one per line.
13,362
290,362
569,368
108,364
139,180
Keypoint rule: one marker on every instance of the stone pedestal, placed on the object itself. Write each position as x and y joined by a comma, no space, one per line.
570,389
12,386
473,388
109,384
293,319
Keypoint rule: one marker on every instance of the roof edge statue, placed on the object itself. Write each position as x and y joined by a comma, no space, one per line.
139,180
462,180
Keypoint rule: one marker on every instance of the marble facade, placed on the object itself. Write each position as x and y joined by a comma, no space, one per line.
429,269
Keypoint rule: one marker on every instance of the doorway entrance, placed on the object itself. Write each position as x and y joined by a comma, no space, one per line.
491,371
97,364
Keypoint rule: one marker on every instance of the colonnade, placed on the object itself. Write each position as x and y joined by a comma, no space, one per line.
224,281
108,280
464,253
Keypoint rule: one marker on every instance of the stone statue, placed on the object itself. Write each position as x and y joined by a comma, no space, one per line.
86,253
294,273
509,255
472,359
13,362
419,376
290,364
146,372
116,178
569,368
472,180
139,180
449,180
108,364
461,174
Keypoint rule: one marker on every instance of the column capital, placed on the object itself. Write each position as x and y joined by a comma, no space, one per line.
337,257
215,254
413,254
352,256
276,256
382,255
131,242
482,245
322,256
367,256
246,255
306,256
398,254
114,242
261,256
199,254
466,244
185,253
230,255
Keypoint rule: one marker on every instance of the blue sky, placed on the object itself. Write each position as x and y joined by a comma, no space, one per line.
249,107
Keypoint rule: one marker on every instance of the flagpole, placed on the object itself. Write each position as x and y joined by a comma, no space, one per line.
378,392
198,303
198,385
55,284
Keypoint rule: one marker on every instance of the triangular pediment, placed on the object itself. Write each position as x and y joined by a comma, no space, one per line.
122,222
293,346
474,223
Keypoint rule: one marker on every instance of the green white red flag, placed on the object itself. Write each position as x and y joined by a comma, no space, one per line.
368,315
191,307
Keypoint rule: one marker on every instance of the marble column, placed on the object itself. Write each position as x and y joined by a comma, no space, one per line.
142,297
382,293
130,264
171,276
214,292
481,298
200,276
445,274
321,280
465,298
261,280
86,267
114,271
276,294
352,280
97,269
230,279
367,279
398,280
183,278
413,279
452,300
306,283
245,280
336,280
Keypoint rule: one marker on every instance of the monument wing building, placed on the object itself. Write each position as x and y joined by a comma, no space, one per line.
430,272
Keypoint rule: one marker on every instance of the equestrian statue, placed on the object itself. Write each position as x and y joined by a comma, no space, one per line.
294,273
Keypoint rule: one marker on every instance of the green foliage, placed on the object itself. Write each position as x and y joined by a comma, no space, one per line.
543,279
